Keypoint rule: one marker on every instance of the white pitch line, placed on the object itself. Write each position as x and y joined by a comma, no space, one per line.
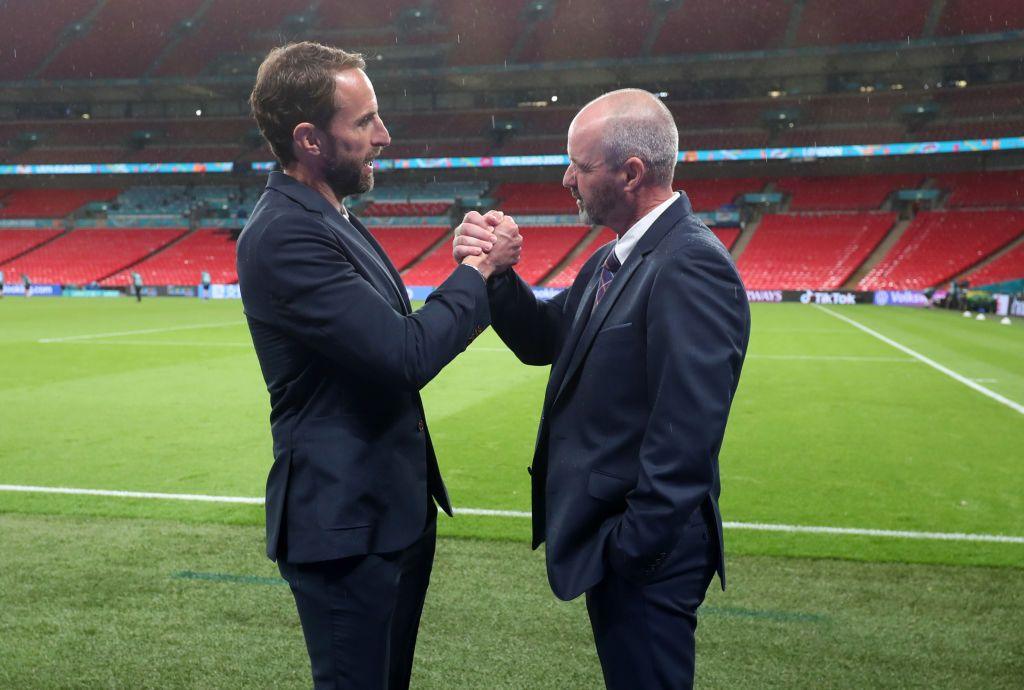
151,343
795,358
831,358
130,494
487,512
1015,406
94,336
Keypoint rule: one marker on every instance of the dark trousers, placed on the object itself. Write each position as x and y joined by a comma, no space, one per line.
360,614
645,634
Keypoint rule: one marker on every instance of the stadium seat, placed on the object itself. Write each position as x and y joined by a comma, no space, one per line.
14,241
1003,188
403,245
49,203
825,22
535,198
861,193
818,252
207,249
941,244
1009,266
89,254
712,194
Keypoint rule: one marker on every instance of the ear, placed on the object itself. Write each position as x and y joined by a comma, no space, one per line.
306,139
635,172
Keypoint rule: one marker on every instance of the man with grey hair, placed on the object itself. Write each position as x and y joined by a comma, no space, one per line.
645,350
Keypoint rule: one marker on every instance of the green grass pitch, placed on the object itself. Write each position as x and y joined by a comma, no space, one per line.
831,428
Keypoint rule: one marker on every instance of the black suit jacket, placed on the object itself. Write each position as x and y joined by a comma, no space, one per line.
344,358
637,401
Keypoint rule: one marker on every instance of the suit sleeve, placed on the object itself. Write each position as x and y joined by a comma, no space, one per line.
697,329
319,297
527,325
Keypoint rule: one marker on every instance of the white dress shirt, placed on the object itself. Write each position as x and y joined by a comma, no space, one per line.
624,245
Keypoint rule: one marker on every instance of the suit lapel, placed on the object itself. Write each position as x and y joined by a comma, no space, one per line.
579,322
362,249
584,330
593,324
385,263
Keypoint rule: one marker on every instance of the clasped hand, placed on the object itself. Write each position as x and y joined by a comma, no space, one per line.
491,242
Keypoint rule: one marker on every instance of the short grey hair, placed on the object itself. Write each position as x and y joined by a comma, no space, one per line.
647,132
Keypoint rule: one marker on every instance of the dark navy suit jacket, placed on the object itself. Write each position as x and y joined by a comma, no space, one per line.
637,401
344,358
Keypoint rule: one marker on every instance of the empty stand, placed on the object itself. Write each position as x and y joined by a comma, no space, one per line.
826,22
568,274
122,40
49,203
980,17
611,33
712,26
710,195
182,263
30,34
727,236
535,197
941,244
432,269
1002,188
862,193
1009,266
402,245
797,252
544,247
14,241
419,208
228,26
86,255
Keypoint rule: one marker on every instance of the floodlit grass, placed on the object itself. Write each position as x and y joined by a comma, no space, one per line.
831,427
96,602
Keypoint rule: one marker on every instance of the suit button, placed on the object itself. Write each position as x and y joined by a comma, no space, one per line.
420,425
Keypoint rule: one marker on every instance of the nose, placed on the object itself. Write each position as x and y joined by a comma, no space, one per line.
569,178
381,135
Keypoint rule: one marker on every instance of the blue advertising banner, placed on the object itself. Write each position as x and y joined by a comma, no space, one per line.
41,290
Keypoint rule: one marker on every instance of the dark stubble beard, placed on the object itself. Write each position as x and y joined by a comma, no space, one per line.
346,177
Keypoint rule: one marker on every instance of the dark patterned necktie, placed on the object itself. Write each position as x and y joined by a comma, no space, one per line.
608,269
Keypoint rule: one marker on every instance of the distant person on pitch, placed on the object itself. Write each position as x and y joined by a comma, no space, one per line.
137,285
1,284
351,495
27,284
646,349
204,281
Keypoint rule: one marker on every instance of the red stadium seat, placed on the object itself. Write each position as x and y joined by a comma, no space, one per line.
85,255
819,252
50,203
1009,266
402,245
14,241
941,244
710,195
1003,188
862,193
535,197
208,249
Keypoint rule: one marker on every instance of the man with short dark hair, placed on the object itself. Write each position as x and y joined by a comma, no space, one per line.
351,495
646,349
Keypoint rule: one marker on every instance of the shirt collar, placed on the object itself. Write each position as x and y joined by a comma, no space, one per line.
624,245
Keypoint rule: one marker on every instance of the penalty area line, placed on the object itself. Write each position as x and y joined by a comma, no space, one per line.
487,512
1013,405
